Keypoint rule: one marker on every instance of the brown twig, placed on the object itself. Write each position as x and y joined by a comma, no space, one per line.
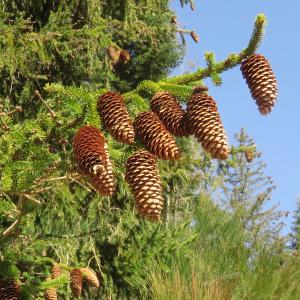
17,109
52,113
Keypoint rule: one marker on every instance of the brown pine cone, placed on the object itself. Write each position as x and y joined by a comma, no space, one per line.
91,154
124,57
90,276
113,54
76,282
9,290
155,137
145,184
195,37
170,113
261,81
55,271
249,155
115,117
206,124
50,294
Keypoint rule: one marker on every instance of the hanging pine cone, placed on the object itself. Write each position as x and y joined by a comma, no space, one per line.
144,181
90,276
92,157
113,54
155,137
261,82
115,117
9,290
76,282
124,57
195,37
249,155
50,294
170,113
55,271
207,125
174,20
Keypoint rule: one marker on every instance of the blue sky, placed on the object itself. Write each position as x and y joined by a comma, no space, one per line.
225,27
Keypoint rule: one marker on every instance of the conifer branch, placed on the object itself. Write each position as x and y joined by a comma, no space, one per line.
231,61
176,84
57,282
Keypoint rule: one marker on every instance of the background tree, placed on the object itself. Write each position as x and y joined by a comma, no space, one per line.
246,191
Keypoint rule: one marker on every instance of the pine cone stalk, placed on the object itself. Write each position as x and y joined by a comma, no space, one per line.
206,124
261,81
155,137
144,181
115,117
170,113
90,150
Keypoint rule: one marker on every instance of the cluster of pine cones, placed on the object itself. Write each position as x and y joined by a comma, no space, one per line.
10,290
155,130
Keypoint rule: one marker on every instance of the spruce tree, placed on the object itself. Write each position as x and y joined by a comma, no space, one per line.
246,191
57,58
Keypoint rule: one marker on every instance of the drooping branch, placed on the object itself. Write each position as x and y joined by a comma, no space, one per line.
231,61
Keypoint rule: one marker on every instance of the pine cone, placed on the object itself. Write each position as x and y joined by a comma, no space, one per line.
50,294
155,137
56,271
9,290
92,157
195,37
115,117
90,276
170,113
144,181
124,57
114,54
173,20
261,82
207,125
76,282
249,155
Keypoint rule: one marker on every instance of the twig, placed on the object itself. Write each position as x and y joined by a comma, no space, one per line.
184,30
17,109
4,124
32,199
8,230
52,113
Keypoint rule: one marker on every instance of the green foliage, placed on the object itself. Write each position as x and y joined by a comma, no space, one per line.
54,64
220,265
